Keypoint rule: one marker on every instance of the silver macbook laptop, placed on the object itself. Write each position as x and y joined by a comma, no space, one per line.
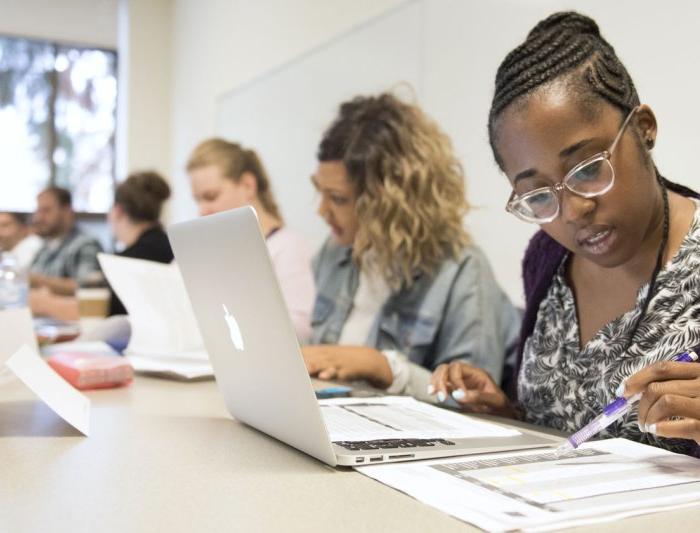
260,370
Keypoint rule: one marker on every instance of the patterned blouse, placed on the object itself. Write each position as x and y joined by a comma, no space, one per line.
563,386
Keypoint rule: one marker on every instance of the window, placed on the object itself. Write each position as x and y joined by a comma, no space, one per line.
57,123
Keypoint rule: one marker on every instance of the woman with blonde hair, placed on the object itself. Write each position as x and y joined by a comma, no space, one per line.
224,175
400,288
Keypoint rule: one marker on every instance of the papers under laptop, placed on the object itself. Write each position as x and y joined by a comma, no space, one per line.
400,417
165,339
261,373
399,428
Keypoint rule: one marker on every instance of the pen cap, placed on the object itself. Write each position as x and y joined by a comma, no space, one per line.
688,357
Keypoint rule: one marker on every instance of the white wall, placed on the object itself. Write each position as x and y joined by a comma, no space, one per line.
89,22
145,86
221,44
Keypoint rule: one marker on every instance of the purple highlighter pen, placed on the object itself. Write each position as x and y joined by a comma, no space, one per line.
614,411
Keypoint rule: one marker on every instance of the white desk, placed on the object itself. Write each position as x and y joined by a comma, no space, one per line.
165,456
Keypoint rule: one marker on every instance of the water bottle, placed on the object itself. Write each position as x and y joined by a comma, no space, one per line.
14,286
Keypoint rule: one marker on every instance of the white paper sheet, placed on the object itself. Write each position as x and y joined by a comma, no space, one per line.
62,398
165,338
16,330
401,417
536,489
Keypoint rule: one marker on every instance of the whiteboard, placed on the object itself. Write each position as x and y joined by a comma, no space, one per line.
283,114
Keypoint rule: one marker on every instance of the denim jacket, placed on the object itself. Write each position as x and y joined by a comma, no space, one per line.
458,313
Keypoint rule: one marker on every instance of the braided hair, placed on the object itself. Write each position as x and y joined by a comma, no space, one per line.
567,47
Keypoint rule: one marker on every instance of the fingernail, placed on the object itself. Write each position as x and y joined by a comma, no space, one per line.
441,396
650,428
641,427
458,394
620,390
431,390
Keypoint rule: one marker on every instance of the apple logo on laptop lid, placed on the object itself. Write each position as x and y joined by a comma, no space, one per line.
234,330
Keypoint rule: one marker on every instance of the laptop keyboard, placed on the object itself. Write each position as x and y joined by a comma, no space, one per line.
391,443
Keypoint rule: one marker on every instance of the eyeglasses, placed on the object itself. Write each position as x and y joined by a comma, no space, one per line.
592,177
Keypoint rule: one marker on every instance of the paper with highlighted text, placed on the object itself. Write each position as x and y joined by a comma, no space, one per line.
543,489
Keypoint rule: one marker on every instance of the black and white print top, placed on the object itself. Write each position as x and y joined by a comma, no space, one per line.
564,386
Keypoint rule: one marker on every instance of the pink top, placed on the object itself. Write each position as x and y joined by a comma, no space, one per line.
291,257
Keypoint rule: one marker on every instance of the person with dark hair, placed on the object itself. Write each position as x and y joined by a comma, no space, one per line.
17,238
68,258
401,287
612,279
225,175
135,221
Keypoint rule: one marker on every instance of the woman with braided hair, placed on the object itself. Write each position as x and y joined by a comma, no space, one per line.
612,279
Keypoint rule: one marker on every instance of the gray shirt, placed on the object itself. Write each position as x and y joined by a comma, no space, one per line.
74,257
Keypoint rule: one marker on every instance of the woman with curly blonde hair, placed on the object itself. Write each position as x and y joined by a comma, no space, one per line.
400,288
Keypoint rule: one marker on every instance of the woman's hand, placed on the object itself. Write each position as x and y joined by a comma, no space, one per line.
471,387
346,363
670,403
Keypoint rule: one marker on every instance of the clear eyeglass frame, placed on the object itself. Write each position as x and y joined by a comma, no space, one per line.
521,201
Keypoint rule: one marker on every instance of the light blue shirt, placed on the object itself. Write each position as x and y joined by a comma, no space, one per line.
459,313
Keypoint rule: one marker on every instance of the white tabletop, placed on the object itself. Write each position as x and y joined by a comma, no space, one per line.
166,456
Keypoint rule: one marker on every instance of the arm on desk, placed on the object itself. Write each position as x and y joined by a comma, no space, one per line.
346,363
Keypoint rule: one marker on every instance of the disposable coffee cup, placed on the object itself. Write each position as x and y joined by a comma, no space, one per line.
93,302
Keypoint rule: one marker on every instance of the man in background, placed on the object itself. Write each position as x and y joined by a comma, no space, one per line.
68,258
17,238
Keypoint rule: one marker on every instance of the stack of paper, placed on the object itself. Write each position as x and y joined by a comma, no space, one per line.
165,338
543,489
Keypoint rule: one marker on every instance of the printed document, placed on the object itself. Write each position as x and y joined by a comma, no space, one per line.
57,393
544,489
401,417
165,338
